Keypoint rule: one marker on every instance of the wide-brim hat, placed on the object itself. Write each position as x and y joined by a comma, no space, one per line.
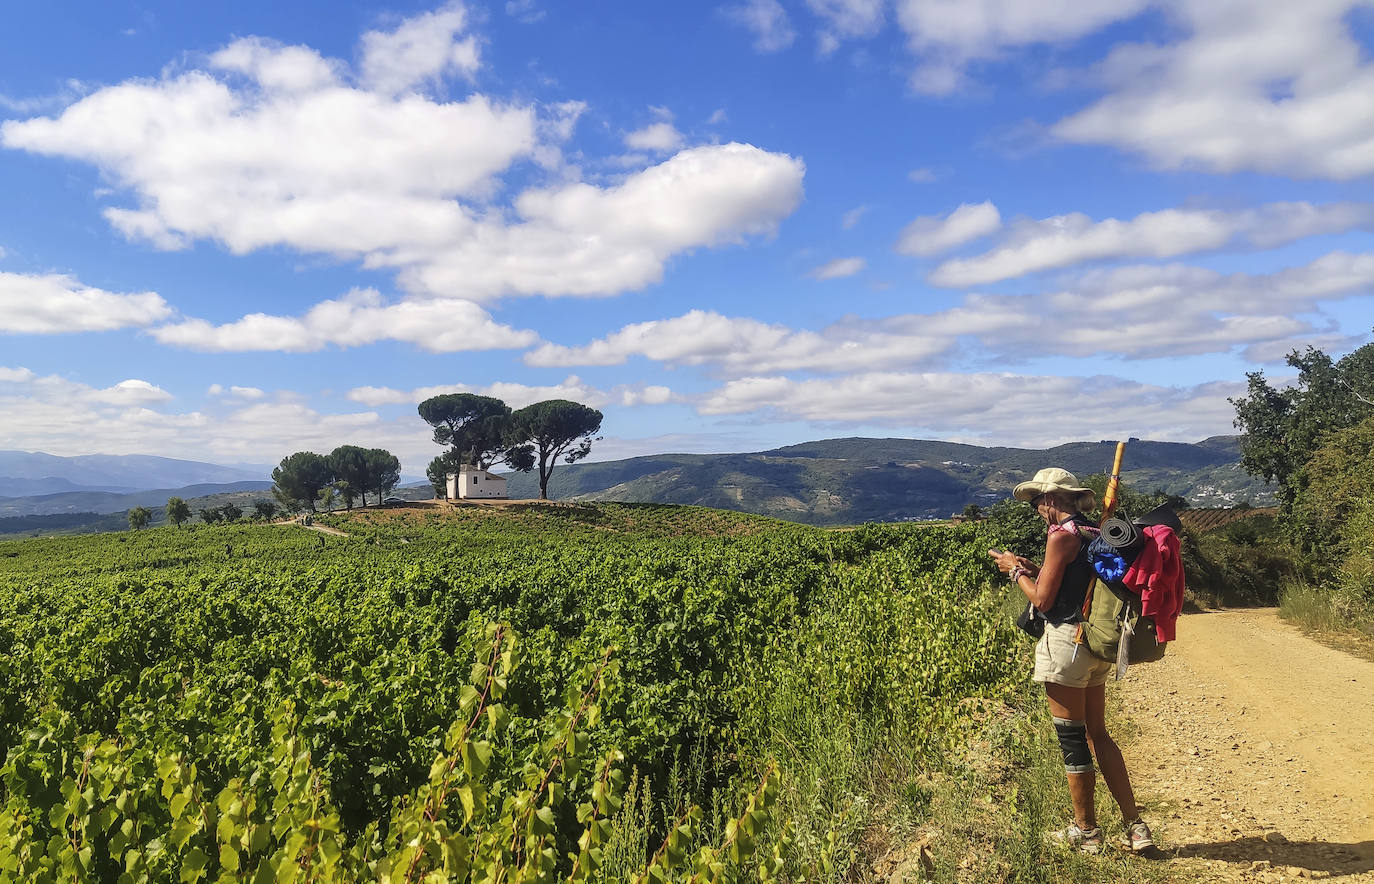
1054,479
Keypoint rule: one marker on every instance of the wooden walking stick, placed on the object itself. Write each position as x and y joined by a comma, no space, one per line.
1108,507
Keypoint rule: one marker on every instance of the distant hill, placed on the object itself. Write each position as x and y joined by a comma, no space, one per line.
101,502
30,473
845,481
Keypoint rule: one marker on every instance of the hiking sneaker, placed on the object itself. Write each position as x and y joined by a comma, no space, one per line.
1137,837
1082,840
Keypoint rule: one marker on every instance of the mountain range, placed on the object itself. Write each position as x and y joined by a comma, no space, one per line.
827,482
30,473
846,481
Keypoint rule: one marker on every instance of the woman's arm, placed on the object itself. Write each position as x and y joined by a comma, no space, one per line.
1043,589
1041,584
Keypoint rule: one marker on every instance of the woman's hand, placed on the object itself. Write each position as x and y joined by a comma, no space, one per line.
1006,561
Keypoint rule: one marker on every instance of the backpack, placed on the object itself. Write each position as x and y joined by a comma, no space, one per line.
1110,616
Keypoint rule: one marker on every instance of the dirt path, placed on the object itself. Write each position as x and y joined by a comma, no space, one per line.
323,529
1254,751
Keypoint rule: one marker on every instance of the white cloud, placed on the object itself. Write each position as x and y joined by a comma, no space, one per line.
420,50
850,18
839,268
933,234
130,392
1137,312
851,219
55,414
660,137
923,175
236,392
360,317
524,11
1257,85
737,345
717,117
56,303
999,408
15,375
292,158
1065,240
578,239
519,395
847,18
272,147
768,22
1277,351
513,394
652,394
946,35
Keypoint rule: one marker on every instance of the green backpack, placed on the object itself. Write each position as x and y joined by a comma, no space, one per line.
1109,615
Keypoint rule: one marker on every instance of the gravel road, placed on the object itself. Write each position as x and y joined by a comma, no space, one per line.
1253,751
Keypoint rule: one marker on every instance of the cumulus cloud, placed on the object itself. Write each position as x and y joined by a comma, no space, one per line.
996,408
851,219
1135,312
55,414
579,239
360,317
846,19
660,137
421,49
1065,240
737,345
1268,86
56,303
294,157
947,35
236,392
273,145
519,395
766,20
15,375
513,394
933,234
839,268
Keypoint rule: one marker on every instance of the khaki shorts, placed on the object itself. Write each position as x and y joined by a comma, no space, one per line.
1059,661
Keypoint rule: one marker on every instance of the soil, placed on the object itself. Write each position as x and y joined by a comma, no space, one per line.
1251,747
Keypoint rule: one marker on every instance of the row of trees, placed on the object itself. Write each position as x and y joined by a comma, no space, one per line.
483,431
179,511
347,473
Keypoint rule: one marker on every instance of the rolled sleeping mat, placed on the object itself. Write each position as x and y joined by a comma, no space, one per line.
1120,533
1161,515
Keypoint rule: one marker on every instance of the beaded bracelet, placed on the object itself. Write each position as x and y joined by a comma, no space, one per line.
1018,572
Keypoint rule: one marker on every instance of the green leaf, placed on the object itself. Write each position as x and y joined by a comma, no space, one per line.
193,866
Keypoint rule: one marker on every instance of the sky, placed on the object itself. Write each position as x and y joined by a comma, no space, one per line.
234,231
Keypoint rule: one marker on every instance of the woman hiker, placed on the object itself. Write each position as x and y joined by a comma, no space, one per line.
1075,681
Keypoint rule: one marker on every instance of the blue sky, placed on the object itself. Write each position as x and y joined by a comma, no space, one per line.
233,231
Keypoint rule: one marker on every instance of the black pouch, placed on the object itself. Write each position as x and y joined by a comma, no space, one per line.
1029,623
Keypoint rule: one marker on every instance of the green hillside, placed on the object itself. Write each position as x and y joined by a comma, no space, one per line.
846,481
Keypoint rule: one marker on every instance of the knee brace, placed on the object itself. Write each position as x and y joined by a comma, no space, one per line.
1073,742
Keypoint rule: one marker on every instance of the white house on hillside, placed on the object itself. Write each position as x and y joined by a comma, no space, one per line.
474,482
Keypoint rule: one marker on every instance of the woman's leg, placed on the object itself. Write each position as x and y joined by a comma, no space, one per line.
1107,754
1069,705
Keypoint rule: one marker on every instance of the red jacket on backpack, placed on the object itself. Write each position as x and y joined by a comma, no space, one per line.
1157,574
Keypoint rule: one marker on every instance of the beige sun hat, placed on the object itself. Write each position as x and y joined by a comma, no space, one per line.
1055,479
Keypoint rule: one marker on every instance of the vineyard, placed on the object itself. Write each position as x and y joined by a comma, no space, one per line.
603,692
